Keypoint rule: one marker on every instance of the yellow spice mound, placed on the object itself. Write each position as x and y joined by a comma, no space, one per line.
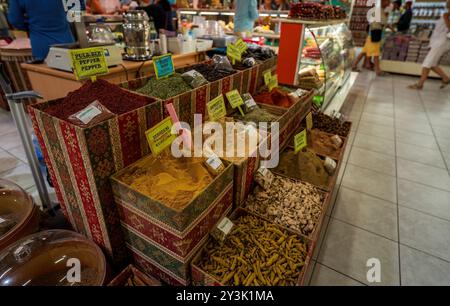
172,181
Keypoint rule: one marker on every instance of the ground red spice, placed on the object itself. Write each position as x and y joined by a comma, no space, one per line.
275,97
114,98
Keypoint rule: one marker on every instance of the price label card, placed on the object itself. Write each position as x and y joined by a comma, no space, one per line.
300,141
216,108
225,225
234,98
163,66
160,137
233,52
267,77
309,121
241,45
87,114
88,62
273,82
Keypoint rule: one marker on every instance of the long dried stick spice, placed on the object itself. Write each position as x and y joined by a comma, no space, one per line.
255,252
293,204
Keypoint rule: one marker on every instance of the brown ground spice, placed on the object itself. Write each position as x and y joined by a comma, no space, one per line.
305,165
321,143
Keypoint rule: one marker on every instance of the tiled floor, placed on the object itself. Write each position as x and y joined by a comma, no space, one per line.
393,201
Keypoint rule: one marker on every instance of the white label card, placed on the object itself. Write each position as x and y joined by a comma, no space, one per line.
89,113
225,225
214,162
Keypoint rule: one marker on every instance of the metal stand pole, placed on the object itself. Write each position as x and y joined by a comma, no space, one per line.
18,114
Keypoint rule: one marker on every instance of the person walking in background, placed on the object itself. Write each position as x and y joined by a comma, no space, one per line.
394,14
405,19
246,12
268,5
372,46
105,7
44,20
161,12
439,44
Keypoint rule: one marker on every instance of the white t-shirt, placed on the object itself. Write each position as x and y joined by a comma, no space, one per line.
439,35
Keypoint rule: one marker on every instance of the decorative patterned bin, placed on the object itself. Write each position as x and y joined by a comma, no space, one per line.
81,160
166,238
202,278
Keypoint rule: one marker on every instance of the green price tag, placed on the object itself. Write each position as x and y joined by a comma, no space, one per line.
273,82
309,121
300,141
233,53
235,100
318,100
88,62
160,137
267,77
216,108
241,45
163,65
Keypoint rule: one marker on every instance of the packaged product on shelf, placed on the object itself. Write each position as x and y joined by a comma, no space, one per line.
316,11
305,166
91,115
218,68
194,78
167,206
291,203
249,102
112,97
309,78
165,88
325,144
254,253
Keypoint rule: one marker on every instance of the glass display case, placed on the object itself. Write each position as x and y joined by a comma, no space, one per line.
326,57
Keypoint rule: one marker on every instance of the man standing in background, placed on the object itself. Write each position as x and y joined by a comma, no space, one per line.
44,20
405,19
246,12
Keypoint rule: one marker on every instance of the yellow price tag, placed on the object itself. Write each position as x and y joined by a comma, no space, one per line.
273,82
160,137
309,121
300,141
234,98
241,45
88,62
267,77
233,53
216,108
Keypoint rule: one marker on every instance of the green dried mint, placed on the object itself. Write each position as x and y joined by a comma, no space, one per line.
165,88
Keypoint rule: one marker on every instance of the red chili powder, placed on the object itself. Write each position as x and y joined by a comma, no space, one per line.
275,97
114,98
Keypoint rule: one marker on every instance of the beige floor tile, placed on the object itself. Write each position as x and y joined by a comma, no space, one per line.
21,175
420,269
347,250
419,154
19,152
324,276
411,126
364,211
374,143
8,161
377,130
370,182
444,143
10,140
377,119
373,160
424,232
417,139
380,109
420,173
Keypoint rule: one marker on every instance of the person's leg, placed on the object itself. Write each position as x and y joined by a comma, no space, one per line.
376,62
423,78
357,60
441,73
